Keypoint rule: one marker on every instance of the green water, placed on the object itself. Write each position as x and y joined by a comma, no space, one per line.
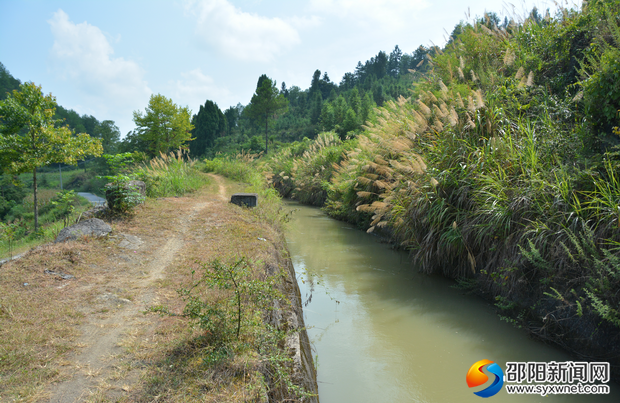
382,332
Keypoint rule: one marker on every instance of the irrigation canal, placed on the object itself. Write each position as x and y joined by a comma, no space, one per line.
382,332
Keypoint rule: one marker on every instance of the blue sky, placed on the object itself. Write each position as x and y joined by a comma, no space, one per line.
105,58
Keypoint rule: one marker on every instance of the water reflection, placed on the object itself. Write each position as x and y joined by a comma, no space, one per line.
385,333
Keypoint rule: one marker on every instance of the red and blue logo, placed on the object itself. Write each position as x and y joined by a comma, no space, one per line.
475,377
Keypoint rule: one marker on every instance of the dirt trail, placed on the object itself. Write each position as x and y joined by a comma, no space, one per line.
221,187
91,372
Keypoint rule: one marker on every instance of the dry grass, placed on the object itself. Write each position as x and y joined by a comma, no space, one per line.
39,313
50,329
178,372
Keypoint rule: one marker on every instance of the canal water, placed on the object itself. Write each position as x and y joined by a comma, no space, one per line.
382,332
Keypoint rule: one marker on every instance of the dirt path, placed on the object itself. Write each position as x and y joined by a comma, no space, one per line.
94,371
93,336
221,186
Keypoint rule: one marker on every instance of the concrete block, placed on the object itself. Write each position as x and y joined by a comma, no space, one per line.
244,199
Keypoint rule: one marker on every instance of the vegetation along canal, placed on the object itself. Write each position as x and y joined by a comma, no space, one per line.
382,332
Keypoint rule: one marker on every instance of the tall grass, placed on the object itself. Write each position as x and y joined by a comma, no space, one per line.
172,174
488,176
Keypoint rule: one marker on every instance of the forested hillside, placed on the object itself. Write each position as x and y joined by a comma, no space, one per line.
342,107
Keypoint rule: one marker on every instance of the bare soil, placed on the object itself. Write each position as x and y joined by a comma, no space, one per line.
91,339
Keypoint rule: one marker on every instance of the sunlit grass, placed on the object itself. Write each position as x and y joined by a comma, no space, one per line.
172,174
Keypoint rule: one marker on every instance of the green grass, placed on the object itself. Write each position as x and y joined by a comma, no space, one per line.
173,174
245,169
52,220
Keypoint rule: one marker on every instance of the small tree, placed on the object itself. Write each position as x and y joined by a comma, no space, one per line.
266,103
164,126
30,139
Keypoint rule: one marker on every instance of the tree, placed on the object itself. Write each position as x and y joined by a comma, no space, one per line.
11,193
164,126
326,119
209,124
29,138
233,114
394,62
315,83
316,105
367,105
110,136
266,103
378,94
355,102
348,82
349,124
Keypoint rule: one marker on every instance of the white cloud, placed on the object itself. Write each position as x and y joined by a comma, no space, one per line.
82,55
195,88
241,35
391,15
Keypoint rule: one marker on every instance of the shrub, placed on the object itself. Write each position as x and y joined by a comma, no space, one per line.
122,197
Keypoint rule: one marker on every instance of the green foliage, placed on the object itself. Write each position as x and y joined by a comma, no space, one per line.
266,103
491,171
241,309
63,206
123,162
170,175
7,234
231,303
604,310
12,193
163,126
303,170
601,91
209,124
8,83
122,197
29,138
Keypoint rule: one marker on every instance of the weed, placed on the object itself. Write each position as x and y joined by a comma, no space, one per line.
233,317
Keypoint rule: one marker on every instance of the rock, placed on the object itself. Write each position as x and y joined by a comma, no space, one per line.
244,199
111,197
130,242
90,227
94,212
139,186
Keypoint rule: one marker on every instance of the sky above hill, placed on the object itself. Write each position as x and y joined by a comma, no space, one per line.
105,58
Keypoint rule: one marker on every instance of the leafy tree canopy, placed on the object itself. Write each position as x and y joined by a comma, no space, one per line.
163,126
30,139
266,103
209,124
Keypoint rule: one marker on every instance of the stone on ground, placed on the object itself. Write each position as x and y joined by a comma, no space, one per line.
90,227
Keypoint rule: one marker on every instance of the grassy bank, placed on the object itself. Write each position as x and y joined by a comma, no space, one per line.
499,171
